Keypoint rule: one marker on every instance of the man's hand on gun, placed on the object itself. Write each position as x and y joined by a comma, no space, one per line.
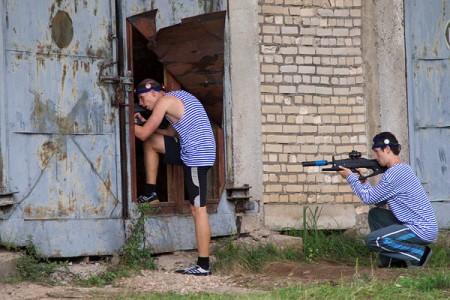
139,119
345,172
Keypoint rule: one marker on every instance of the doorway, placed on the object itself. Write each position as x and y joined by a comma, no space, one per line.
186,56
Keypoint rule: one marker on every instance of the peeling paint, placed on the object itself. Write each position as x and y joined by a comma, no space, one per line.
428,93
46,153
67,171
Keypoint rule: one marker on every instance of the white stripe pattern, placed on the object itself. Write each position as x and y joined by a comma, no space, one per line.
405,196
389,250
198,147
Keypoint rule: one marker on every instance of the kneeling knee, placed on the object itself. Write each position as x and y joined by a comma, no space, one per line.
371,242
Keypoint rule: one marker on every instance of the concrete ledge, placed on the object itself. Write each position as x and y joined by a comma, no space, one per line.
330,216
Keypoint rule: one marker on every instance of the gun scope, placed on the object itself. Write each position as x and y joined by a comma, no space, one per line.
354,154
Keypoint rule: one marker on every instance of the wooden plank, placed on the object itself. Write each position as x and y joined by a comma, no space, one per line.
193,52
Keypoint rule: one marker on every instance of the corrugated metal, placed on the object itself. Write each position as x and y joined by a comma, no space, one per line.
428,55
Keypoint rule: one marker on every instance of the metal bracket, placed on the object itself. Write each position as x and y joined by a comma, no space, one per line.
6,198
241,196
124,84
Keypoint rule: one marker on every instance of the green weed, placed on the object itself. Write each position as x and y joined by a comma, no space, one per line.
133,256
33,267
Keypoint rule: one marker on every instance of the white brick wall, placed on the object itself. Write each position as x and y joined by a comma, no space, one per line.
312,96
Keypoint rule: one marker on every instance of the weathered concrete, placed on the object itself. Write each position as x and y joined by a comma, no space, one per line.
328,216
244,98
251,223
242,105
266,237
385,70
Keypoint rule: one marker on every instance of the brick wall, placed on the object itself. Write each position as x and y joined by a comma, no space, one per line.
312,96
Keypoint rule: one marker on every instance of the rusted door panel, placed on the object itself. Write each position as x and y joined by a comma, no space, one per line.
63,131
432,126
434,79
428,73
29,25
57,96
193,52
62,178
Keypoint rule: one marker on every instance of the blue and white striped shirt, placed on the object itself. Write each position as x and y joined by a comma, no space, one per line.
405,196
198,147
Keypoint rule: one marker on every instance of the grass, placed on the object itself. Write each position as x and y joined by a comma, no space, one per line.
434,285
133,257
33,267
330,245
429,283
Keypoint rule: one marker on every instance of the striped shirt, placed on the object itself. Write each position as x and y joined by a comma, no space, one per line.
198,147
405,196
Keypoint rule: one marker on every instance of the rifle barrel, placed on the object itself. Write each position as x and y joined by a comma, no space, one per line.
315,163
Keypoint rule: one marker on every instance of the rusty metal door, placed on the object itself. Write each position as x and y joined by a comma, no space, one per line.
62,129
428,63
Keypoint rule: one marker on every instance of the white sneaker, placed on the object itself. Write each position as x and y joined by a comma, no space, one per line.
153,199
195,270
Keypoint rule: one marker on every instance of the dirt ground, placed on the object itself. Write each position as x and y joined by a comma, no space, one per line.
275,275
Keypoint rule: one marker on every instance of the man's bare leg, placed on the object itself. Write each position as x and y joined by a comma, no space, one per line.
152,147
202,230
203,236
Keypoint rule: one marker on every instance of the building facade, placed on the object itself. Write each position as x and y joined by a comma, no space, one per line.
283,81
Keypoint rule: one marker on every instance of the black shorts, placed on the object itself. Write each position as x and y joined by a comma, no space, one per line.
195,178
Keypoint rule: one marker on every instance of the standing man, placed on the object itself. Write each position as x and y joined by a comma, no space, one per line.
402,233
189,142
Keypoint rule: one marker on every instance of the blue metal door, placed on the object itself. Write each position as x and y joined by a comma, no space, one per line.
428,73
62,131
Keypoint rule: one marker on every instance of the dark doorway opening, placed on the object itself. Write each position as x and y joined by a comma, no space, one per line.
146,65
185,56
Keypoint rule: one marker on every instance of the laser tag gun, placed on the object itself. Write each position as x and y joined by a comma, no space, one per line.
145,113
355,161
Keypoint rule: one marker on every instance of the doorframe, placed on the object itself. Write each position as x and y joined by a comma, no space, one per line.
4,162
179,205
409,61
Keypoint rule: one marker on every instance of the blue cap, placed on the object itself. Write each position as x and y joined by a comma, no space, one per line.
147,87
379,142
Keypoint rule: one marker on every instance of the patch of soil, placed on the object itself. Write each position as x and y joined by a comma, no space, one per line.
274,275
282,274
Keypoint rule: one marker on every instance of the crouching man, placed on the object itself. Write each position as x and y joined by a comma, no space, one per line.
402,233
